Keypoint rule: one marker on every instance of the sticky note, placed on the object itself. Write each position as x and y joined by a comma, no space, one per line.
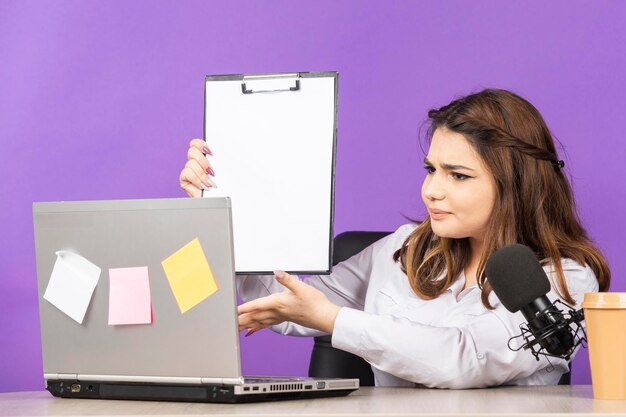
71,284
129,296
189,275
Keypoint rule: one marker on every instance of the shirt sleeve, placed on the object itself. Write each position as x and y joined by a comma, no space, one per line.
473,355
346,286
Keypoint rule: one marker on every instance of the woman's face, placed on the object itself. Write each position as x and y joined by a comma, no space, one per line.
458,191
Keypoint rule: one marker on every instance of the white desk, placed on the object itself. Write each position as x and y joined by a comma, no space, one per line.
511,401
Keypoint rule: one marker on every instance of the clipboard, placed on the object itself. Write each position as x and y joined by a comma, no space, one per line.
274,141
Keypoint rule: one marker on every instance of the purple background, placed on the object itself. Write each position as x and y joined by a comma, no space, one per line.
99,99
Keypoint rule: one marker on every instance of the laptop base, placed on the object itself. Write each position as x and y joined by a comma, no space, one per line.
205,393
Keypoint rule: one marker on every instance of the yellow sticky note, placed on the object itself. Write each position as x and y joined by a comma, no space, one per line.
189,275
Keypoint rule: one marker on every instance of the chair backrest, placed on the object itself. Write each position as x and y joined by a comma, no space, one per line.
348,244
566,378
326,361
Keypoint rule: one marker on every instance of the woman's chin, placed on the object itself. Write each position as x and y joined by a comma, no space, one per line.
447,233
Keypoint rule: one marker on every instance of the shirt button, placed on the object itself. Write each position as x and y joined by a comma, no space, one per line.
480,355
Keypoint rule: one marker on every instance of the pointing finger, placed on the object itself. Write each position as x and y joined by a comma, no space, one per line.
264,303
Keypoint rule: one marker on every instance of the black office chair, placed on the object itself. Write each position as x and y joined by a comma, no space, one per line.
566,378
328,362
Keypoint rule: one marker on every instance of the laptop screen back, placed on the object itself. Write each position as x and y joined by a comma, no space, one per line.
201,342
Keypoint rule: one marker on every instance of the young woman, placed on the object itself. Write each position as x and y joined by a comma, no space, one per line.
417,304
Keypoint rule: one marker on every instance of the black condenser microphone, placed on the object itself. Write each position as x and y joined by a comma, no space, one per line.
521,284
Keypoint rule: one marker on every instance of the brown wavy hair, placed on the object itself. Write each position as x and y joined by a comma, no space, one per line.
534,203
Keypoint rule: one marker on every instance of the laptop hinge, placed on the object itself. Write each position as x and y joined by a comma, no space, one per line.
139,378
143,378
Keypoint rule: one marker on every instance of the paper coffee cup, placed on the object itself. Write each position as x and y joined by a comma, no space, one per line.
605,317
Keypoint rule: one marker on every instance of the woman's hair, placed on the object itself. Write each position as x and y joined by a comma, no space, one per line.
534,203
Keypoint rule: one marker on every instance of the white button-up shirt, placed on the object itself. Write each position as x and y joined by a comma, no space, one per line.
452,341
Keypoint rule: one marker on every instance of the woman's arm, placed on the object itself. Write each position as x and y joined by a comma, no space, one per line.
346,286
472,355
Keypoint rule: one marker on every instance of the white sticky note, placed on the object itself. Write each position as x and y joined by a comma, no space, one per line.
71,284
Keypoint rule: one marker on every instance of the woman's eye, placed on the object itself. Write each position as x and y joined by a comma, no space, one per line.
459,177
429,169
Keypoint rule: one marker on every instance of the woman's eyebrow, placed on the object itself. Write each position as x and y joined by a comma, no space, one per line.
449,167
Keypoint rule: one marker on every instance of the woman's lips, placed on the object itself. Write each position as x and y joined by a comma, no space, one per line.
436,214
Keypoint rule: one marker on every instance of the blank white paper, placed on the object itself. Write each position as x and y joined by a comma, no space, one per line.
71,284
273,155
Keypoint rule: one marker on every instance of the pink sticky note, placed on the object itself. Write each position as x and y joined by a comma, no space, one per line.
129,296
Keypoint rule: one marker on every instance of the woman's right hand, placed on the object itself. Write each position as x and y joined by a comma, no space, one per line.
197,172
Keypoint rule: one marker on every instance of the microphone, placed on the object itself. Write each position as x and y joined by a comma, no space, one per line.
521,284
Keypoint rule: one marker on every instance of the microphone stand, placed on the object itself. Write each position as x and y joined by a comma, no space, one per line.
556,323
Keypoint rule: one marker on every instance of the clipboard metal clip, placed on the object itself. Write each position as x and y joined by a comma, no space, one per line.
270,84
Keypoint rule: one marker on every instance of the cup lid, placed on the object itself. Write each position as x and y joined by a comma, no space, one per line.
604,300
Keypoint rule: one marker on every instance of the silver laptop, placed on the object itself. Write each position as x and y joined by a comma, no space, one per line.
191,356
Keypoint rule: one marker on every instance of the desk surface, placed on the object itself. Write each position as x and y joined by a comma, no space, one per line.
510,401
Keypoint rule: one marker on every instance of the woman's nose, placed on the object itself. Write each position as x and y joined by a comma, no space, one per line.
433,188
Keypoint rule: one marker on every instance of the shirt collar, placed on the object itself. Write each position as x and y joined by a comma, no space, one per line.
457,286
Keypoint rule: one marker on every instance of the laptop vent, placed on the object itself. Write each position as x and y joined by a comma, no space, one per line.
285,387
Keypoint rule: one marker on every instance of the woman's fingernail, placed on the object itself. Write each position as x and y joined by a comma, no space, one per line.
210,171
209,183
250,332
206,150
279,274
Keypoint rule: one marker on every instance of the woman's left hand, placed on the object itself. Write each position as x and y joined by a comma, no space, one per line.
300,304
